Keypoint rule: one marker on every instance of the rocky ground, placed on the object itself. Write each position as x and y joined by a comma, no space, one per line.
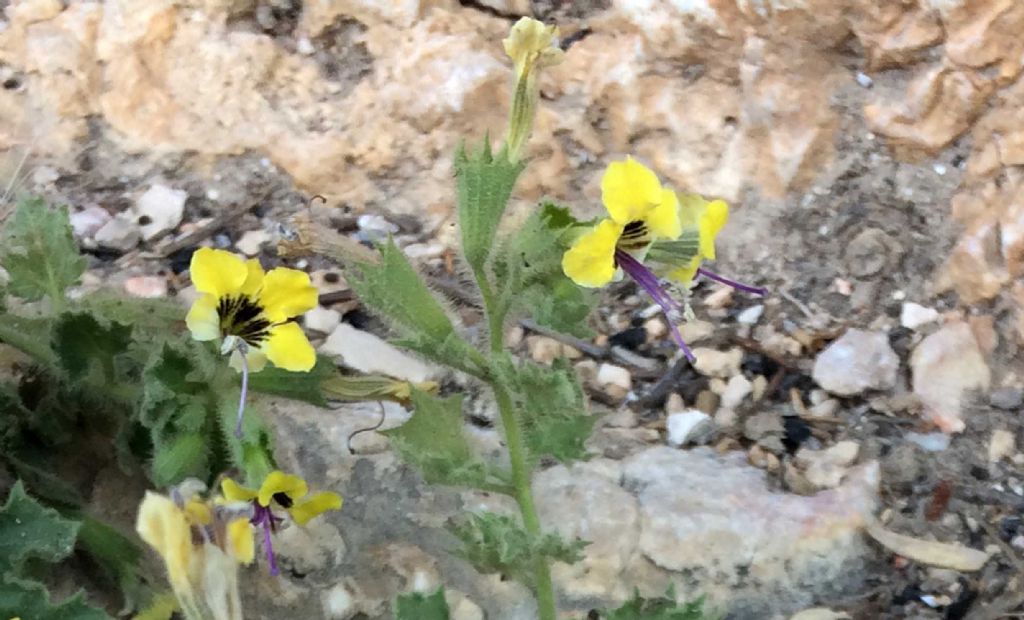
872,154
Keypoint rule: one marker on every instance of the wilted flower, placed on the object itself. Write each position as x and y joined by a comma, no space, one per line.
648,223
531,45
201,545
279,491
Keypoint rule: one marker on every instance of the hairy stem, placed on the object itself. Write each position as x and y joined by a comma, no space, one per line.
26,343
493,310
524,497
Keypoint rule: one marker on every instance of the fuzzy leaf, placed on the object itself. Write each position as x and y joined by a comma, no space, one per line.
396,292
550,408
304,386
28,530
528,270
29,335
433,442
83,346
495,543
117,554
39,252
416,606
662,608
484,183
30,601
180,457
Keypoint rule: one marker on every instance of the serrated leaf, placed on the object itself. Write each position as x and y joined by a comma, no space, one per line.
30,601
83,345
39,252
416,606
495,543
303,386
528,272
394,290
28,335
179,457
37,474
550,408
433,442
484,183
29,530
661,608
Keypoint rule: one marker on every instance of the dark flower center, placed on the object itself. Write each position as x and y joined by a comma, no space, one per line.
283,500
241,316
634,236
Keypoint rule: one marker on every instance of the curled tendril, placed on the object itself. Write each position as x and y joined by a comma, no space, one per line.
380,422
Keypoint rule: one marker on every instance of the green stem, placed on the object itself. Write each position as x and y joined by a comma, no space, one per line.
26,343
495,316
524,497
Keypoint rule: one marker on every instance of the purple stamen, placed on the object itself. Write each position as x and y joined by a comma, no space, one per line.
746,288
650,283
262,517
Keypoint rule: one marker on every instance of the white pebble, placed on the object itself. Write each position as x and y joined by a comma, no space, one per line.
751,315
914,315
864,80
691,426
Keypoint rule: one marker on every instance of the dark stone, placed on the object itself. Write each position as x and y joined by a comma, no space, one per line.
181,259
755,364
630,338
796,431
1006,398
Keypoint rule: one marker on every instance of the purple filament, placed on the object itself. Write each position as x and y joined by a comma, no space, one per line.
746,288
650,283
264,518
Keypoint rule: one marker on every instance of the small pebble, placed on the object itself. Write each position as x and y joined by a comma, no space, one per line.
864,80
543,350
616,381
1001,446
146,287
86,222
323,320
251,242
751,315
914,315
738,388
932,442
721,298
686,427
120,233
1006,398
159,210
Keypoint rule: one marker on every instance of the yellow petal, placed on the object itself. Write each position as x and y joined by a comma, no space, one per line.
629,190
253,278
691,207
280,482
288,348
240,540
663,220
198,513
530,41
235,492
684,275
711,221
202,319
256,358
590,261
217,272
315,505
164,527
286,293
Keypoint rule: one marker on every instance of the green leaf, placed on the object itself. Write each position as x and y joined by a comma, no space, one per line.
528,270
484,183
85,346
180,457
395,290
662,608
433,442
28,530
30,601
29,335
117,554
304,386
495,543
550,408
416,606
39,252
36,472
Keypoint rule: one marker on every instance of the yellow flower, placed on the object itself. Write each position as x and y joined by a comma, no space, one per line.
243,303
286,491
707,219
201,545
640,210
530,43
